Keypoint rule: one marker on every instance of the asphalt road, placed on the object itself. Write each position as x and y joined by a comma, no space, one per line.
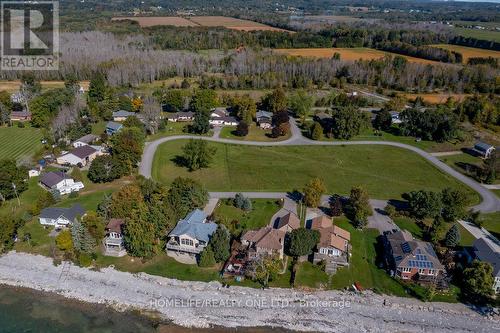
490,202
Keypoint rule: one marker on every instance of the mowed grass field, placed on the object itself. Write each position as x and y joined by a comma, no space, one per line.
351,54
469,52
386,172
13,86
199,21
19,142
479,34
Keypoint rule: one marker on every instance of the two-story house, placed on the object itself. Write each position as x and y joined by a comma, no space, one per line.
60,217
488,250
113,241
60,182
264,241
80,156
191,234
412,259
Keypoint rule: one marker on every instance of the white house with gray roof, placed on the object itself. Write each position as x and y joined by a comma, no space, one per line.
61,217
191,234
122,115
59,181
488,250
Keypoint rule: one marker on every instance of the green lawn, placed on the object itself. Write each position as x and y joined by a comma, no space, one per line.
410,225
311,276
491,222
385,171
171,128
27,199
259,216
19,142
479,34
255,133
39,243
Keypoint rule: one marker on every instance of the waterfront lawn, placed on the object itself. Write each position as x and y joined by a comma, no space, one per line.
19,142
255,133
39,240
386,172
259,216
27,199
311,276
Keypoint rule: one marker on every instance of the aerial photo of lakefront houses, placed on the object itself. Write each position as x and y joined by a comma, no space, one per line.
179,166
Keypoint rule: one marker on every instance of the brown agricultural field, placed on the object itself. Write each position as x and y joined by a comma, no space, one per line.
436,98
346,54
469,52
149,21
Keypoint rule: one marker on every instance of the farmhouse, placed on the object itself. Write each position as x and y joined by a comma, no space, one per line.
60,182
20,116
85,140
487,250
190,235
288,223
113,241
413,259
61,217
122,115
113,127
80,156
264,119
181,116
264,241
483,149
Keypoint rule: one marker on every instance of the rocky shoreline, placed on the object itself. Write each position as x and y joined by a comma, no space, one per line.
200,304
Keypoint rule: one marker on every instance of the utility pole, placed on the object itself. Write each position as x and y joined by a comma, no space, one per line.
17,196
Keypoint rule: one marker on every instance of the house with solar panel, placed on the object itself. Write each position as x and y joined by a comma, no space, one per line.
413,260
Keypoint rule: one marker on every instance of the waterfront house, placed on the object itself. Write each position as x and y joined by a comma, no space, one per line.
412,259
264,241
191,234
488,250
113,127
60,182
113,241
288,223
60,217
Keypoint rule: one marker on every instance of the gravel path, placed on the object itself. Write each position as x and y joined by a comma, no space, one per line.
199,304
490,202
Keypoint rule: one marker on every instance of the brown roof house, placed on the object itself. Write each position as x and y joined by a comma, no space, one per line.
264,241
113,242
333,246
288,223
413,259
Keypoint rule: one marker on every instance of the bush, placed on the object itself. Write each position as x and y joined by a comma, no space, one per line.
207,258
241,129
20,124
73,195
84,260
390,210
242,203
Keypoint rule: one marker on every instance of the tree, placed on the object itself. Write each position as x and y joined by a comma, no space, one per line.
97,88
185,195
301,103
245,108
347,122
82,239
139,233
313,192
127,146
302,242
241,129
242,203
491,168
207,258
265,269
64,241
204,100
197,154
151,112
280,130
423,204
358,207
173,100
478,281
383,120
276,101
9,227
454,204
316,131
95,225
45,200
201,123
12,179
397,103
104,169
126,201
452,238
220,244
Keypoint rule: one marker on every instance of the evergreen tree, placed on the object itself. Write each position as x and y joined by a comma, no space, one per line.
452,237
358,207
316,131
207,258
139,233
201,123
82,239
220,243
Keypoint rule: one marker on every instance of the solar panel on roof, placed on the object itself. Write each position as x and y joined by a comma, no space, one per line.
405,247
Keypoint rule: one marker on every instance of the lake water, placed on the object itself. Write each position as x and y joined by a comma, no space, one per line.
26,311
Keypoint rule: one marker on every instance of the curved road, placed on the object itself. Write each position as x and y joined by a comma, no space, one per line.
490,202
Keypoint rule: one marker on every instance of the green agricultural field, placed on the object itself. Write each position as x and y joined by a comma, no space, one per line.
19,142
386,172
479,34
